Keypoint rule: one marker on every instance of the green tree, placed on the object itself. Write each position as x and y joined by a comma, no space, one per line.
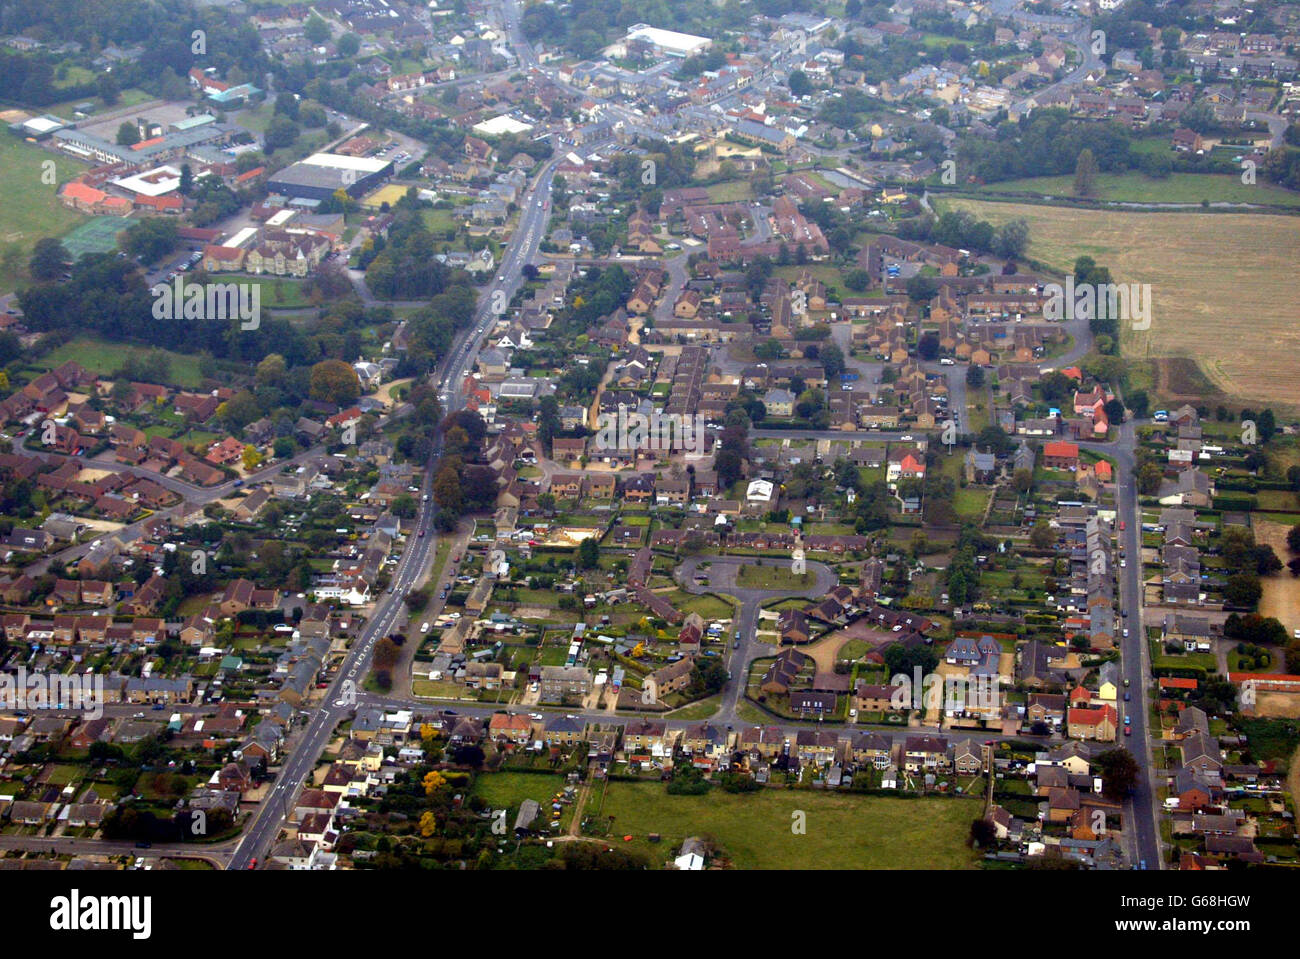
1085,174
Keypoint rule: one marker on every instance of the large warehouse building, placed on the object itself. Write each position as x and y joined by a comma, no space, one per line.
321,174
669,42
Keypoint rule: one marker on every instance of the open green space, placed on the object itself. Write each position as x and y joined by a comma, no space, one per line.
31,208
102,358
843,830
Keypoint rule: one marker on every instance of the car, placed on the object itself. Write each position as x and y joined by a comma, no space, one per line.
421,532
156,707
537,716
1128,730
1127,696
1121,526
252,863
735,644
1126,632
424,627
425,498
143,844
906,437
1126,682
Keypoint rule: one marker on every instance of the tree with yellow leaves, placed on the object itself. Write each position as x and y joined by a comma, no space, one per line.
428,824
433,781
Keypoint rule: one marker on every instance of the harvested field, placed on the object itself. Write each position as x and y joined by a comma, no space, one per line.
1281,597
1221,286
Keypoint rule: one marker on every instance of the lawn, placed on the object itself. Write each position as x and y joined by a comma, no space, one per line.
102,358
31,208
509,789
733,191
278,292
843,830
773,577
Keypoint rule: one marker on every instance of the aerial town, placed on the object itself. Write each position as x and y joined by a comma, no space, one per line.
690,435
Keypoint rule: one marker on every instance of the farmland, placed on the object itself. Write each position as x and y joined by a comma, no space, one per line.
1231,312
1138,188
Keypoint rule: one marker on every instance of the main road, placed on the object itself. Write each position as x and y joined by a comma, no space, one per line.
343,693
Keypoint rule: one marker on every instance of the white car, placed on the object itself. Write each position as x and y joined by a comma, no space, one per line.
906,437
424,628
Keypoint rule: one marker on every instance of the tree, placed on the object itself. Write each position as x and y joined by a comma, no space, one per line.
982,833
1011,239
832,359
1293,538
333,381
857,280
1041,536
975,376
1243,590
800,85
447,489
316,30
1119,773
588,553
280,132
128,134
49,260
1085,174
349,44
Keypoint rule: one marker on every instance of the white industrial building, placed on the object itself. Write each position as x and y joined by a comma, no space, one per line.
669,42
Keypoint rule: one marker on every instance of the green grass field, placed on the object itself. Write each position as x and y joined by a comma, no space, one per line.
30,209
1139,188
773,577
509,789
843,830
102,358
289,297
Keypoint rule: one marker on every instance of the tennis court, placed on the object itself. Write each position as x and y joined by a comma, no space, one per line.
98,235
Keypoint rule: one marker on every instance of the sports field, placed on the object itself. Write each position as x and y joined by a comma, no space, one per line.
1222,284
29,208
